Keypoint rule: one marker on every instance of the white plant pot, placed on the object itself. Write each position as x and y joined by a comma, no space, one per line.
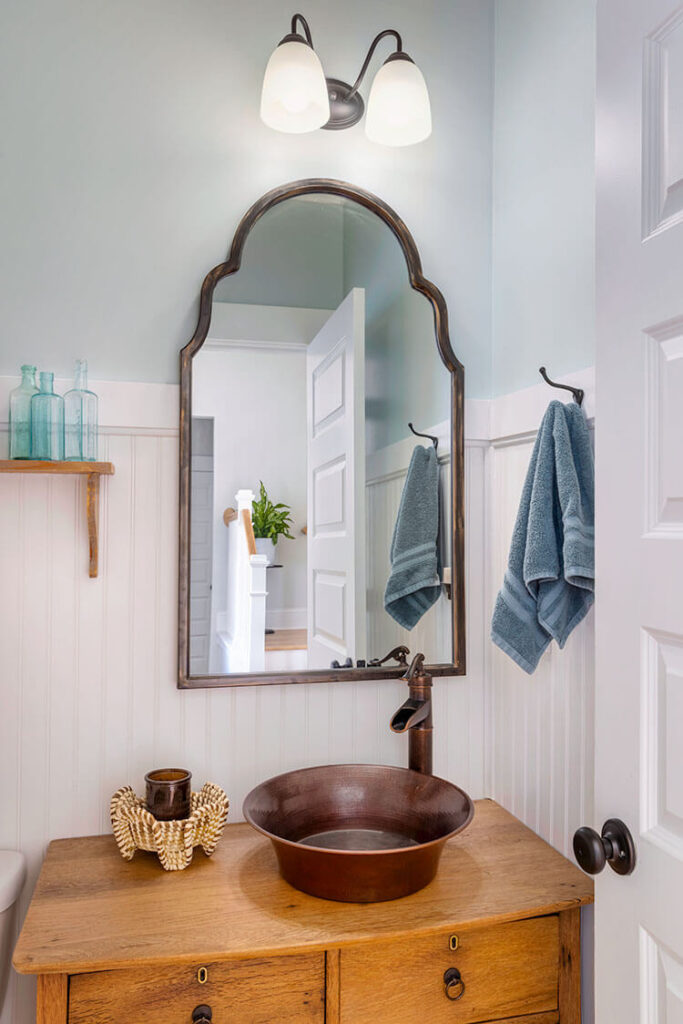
265,546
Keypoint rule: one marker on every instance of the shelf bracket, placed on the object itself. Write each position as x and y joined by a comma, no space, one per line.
92,471
92,509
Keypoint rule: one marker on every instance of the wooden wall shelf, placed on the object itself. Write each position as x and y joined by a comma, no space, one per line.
92,471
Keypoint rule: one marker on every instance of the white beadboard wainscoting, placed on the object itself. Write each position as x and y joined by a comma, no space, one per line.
89,698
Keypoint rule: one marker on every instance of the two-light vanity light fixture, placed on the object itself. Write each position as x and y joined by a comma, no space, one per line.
297,97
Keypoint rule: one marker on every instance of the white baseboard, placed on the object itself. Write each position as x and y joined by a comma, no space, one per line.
286,618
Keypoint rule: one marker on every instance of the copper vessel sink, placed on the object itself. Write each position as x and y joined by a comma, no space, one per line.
359,833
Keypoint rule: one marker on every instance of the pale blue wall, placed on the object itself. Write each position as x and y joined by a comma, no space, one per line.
405,377
131,146
543,192
293,257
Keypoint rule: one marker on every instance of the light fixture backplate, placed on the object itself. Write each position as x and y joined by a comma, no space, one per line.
345,110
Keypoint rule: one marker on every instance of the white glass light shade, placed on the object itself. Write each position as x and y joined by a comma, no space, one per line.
398,112
294,96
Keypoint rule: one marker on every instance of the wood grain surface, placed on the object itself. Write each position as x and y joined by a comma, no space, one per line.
249,531
39,466
570,967
53,996
91,910
288,988
508,970
332,986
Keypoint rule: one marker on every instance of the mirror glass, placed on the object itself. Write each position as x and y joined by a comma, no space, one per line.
318,355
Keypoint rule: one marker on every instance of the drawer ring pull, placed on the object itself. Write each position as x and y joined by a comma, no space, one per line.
201,1014
454,986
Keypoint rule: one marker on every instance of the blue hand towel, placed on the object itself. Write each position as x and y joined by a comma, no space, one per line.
414,584
548,586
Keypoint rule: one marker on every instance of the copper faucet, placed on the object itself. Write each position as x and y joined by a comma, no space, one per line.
415,716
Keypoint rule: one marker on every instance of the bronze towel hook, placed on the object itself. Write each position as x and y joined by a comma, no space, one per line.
578,393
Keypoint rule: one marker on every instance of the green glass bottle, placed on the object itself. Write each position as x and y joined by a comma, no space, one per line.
20,414
47,422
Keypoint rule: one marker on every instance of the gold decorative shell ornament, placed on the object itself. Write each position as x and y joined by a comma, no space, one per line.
173,841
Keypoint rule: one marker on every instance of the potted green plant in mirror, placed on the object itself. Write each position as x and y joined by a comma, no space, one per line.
270,521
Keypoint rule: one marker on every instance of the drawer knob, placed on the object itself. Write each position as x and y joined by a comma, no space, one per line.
201,1014
454,986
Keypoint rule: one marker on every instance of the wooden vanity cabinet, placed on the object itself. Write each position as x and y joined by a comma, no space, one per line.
112,941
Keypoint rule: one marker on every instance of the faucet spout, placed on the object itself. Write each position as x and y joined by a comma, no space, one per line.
415,717
410,714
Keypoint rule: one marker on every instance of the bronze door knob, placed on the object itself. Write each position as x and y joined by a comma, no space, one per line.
454,986
201,1014
614,846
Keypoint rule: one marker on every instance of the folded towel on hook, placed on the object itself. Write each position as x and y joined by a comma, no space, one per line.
414,583
548,586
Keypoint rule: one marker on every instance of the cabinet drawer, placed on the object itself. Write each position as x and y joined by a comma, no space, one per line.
288,988
509,970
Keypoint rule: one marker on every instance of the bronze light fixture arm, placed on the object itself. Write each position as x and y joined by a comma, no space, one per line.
346,103
373,46
307,31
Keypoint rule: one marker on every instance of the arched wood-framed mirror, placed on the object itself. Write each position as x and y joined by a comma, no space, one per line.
250,411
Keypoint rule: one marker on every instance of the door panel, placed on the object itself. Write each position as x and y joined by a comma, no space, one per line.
336,486
639,505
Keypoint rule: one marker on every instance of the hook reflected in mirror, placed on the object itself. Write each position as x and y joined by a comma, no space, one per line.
430,437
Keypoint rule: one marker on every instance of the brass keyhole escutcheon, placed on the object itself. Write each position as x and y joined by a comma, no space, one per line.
202,975
453,942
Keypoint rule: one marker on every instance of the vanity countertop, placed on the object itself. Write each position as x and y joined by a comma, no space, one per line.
91,910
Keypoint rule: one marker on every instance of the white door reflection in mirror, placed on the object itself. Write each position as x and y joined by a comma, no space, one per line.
335,387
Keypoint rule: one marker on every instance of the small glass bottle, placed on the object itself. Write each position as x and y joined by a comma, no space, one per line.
47,421
20,414
80,419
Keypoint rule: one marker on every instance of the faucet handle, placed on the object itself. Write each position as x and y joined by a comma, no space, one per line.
399,654
416,668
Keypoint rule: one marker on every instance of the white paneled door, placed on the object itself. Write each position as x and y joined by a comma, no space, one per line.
335,371
639,527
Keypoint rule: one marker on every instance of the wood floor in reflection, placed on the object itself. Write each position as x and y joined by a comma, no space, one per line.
287,640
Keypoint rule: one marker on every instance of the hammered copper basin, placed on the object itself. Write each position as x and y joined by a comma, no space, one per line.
360,833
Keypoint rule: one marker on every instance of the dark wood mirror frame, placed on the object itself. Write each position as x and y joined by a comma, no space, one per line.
420,283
